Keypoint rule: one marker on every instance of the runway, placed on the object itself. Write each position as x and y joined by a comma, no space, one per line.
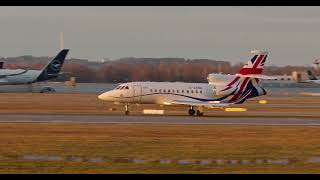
119,119
296,110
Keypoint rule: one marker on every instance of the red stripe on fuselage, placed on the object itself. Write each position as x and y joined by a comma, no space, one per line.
230,84
228,87
240,90
234,81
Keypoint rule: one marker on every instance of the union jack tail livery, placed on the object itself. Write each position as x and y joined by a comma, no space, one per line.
255,65
225,90
246,82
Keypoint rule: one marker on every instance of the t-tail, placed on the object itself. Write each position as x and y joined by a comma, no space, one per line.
311,75
245,85
52,69
255,65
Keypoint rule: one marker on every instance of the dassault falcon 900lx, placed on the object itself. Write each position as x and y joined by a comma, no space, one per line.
235,90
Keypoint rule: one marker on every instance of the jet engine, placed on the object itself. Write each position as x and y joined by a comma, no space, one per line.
47,89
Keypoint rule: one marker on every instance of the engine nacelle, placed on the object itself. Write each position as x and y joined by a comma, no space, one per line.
257,91
220,79
47,89
260,90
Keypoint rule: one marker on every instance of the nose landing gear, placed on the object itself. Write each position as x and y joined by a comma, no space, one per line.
127,109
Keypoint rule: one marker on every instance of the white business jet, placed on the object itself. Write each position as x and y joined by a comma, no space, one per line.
234,90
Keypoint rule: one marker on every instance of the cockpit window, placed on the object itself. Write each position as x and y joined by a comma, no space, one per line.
122,87
127,87
118,87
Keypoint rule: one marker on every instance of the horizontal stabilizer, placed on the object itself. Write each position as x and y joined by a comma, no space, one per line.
257,76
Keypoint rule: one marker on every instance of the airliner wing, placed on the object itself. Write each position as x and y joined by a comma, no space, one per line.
8,72
313,81
197,103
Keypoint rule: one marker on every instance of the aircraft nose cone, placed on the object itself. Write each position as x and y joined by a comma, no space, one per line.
103,96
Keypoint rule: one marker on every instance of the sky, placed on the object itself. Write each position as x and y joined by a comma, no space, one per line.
291,35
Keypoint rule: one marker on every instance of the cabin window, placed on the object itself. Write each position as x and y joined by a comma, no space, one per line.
200,92
177,91
196,91
150,90
164,91
169,91
172,90
192,91
155,90
187,91
182,91
159,90
127,87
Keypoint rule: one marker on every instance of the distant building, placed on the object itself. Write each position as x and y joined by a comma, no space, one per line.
299,76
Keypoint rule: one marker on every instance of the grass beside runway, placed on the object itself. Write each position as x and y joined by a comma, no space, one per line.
115,145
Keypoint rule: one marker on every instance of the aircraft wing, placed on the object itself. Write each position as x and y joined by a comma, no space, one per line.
8,72
213,103
313,81
197,103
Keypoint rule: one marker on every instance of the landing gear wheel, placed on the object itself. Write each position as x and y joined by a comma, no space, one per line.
191,112
127,109
199,113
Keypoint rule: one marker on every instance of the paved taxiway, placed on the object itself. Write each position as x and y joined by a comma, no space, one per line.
86,108
119,119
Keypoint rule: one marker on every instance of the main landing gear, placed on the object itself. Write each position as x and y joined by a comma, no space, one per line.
127,109
192,112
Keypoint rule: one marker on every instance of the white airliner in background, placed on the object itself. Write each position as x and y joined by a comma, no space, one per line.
24,76
312,78
234,89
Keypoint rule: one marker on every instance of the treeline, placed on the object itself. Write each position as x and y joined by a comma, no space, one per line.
140,69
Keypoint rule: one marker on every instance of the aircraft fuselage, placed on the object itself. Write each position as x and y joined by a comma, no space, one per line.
18,76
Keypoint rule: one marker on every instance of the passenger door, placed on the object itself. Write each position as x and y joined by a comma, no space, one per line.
137,92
